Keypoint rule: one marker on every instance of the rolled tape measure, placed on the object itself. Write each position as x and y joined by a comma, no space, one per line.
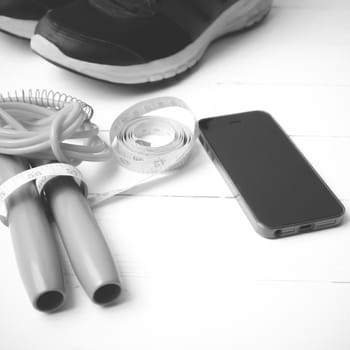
132,134
130,131
131,138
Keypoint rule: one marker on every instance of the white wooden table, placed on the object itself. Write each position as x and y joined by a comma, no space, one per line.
196,274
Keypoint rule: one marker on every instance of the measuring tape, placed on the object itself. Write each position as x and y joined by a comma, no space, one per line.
131,141
41,175
133,125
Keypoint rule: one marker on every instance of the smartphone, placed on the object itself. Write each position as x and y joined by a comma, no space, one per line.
280,192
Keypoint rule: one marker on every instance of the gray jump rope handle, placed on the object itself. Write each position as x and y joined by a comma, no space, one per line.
33,241
86,247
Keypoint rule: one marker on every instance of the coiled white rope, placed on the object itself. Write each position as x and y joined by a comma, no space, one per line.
37,132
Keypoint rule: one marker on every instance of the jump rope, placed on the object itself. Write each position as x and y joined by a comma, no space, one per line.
44,136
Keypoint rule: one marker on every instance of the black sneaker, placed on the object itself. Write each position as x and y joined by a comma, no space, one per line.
19,17
137,41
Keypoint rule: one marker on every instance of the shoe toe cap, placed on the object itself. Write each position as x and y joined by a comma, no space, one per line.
82,46
84,32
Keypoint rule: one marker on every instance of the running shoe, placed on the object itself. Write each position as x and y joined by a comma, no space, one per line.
139,41
19,17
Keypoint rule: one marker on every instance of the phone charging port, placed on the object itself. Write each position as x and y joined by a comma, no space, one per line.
305,228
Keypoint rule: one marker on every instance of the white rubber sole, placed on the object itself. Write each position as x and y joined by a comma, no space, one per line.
243,14
19,27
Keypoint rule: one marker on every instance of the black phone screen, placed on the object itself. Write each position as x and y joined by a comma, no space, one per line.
275,180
